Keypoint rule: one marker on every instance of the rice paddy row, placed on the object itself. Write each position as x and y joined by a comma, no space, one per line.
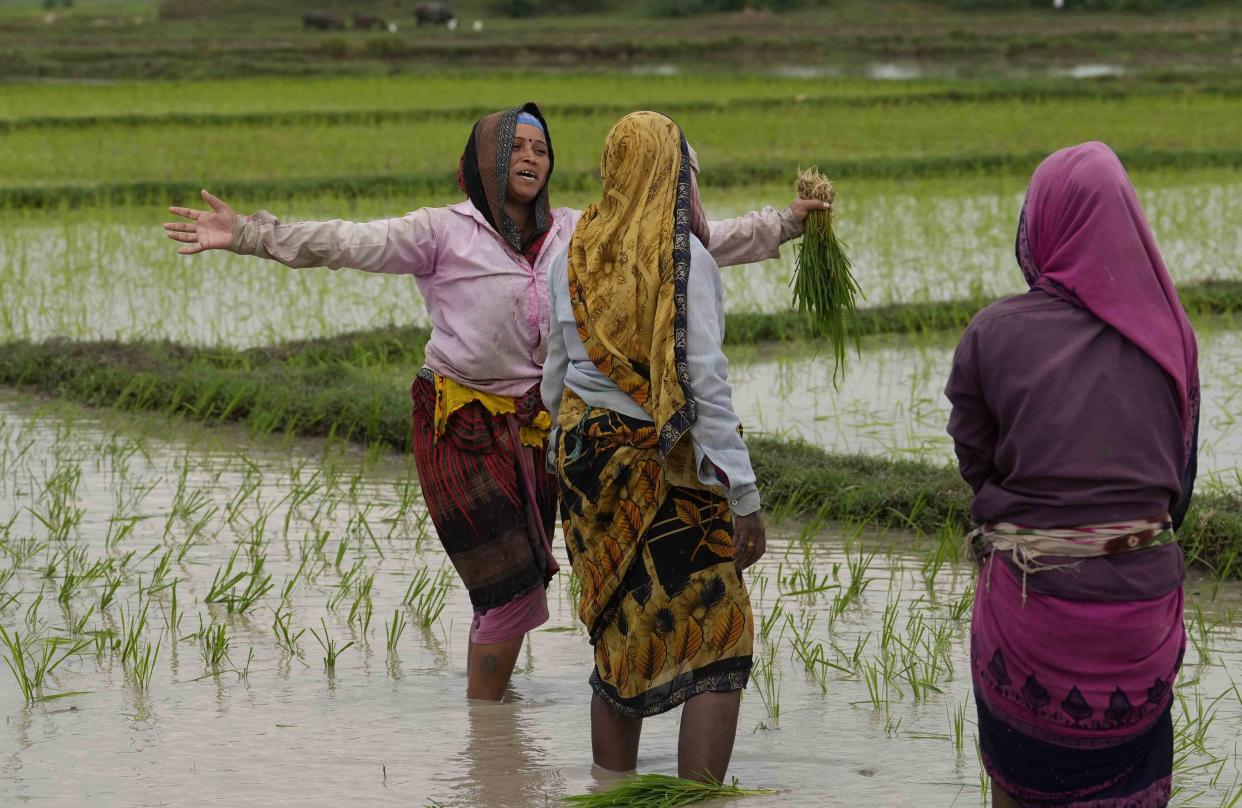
50,166
407,99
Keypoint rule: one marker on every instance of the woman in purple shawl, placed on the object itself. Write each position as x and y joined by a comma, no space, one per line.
1075,414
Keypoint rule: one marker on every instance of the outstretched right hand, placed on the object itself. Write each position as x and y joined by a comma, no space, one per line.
206,230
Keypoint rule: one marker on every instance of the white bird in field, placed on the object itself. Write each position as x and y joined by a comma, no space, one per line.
452,24
478,26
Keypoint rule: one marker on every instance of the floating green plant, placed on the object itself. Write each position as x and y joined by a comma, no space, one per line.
662,791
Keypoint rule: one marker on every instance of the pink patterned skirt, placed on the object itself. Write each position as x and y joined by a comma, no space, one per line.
1074,696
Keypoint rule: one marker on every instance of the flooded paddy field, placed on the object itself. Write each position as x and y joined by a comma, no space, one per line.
891,402
225,617
102,273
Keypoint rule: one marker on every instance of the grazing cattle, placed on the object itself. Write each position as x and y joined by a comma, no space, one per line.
435,14
322,20
367,22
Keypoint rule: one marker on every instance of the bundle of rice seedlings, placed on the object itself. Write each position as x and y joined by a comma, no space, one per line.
823,285
661,791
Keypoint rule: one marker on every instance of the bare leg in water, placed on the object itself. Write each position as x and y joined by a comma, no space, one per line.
708,727
489,667
1002,800
705,746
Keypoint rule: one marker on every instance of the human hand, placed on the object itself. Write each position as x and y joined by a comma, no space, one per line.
801,207
206,230
749,539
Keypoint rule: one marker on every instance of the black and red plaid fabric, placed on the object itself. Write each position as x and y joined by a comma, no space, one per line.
470,482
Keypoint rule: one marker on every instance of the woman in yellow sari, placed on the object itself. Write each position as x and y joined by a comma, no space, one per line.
658,498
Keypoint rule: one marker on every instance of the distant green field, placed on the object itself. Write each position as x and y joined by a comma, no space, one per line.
731,141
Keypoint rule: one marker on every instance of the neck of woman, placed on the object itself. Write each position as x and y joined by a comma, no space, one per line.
519,212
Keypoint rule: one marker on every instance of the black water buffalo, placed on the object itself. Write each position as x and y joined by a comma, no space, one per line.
367,22
322,20
434,14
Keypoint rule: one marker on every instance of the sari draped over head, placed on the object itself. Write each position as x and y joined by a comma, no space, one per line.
483,174
1082,236
666,608
629,264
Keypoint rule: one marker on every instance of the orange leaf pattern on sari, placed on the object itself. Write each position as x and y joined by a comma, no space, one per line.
728,628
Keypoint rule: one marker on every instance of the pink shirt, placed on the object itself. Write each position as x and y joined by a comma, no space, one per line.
488,305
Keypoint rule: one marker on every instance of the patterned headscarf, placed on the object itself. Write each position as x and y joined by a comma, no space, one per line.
483,174
629,265
1082,236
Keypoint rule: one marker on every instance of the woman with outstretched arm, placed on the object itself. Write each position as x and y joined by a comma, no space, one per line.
479,426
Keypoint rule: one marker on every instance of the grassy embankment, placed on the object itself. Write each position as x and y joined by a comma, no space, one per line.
214,38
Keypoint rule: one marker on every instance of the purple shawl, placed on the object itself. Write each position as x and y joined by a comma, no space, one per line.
1084,238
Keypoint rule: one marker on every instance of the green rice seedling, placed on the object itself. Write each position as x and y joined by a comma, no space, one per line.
133,627
345,585
362,597
112,582
286,637
661,791
214,644
30,669
23,549
985,782
143,667
286,591
823,284
119,529
224,581
32,610
960,609
771,620
769,688
76,625
394,630
957,725
331,650
172,618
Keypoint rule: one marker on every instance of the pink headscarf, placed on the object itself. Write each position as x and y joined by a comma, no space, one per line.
1084,238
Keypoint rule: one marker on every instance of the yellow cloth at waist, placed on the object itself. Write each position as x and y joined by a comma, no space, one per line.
452,396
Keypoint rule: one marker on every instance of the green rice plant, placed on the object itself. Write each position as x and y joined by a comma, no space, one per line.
394,630
286,637
823,285
769,687
30,669
108,593
426,596
214,645
172,618
362,599
957,725
331,650
143,667
224,584
771,620
661,791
